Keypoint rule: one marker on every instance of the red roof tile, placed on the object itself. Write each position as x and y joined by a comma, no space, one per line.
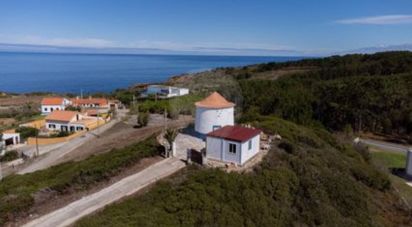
99,101
52,101
235,133
60,115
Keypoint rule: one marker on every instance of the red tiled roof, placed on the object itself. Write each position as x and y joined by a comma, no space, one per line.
215,100
99,101
61,115
52,101
235,133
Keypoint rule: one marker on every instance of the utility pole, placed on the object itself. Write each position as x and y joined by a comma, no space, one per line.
37,145
1,150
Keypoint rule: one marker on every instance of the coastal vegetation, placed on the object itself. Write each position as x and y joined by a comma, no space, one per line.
18,193
309,179
361,92
173,106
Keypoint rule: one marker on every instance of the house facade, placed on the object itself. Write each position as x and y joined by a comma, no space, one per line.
68,121
212,113
233,144
51,104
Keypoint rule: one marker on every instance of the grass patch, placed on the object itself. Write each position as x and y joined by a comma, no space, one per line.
389,159
17,191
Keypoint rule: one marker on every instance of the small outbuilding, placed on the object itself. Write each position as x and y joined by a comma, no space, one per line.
212,113
233,144
11,137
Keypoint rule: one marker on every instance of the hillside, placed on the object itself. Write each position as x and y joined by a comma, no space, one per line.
308,179
369,93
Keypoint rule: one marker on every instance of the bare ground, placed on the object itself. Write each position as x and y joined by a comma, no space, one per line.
121,135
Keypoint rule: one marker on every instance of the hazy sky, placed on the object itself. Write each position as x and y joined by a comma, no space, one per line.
209,25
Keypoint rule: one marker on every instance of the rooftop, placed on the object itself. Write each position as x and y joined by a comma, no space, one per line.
52,101
235,133
215,101
60,115
99,101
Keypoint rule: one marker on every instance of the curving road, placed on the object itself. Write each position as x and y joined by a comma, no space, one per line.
393,147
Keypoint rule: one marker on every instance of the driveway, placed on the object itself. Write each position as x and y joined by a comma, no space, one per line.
125,187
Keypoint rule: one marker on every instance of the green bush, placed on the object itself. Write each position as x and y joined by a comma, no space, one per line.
143,119
26,132
316,186
9,156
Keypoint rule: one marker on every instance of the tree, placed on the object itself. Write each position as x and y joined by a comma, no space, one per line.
26,132
143,119
170,136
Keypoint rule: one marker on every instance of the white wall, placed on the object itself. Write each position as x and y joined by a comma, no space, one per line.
14,136
214,148
218,149
246,153
207,118
60,124
46,109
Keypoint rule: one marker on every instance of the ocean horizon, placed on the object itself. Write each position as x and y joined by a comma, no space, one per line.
71,73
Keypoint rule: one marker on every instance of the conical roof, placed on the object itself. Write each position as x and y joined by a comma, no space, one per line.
214,101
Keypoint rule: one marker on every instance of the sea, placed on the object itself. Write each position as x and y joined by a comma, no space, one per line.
91,73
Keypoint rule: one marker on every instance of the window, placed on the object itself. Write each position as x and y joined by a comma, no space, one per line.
51,109
250,145
216,127
232,148
52,126
45,109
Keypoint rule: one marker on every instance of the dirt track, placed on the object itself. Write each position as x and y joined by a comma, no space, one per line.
121,135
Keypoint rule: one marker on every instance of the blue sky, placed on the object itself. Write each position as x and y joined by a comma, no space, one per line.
212,26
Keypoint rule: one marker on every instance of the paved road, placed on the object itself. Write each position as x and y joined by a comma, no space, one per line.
125,187
386,145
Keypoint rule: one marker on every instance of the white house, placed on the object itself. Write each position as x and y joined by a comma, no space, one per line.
69,121
165,91
213,113
51,104
233,144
